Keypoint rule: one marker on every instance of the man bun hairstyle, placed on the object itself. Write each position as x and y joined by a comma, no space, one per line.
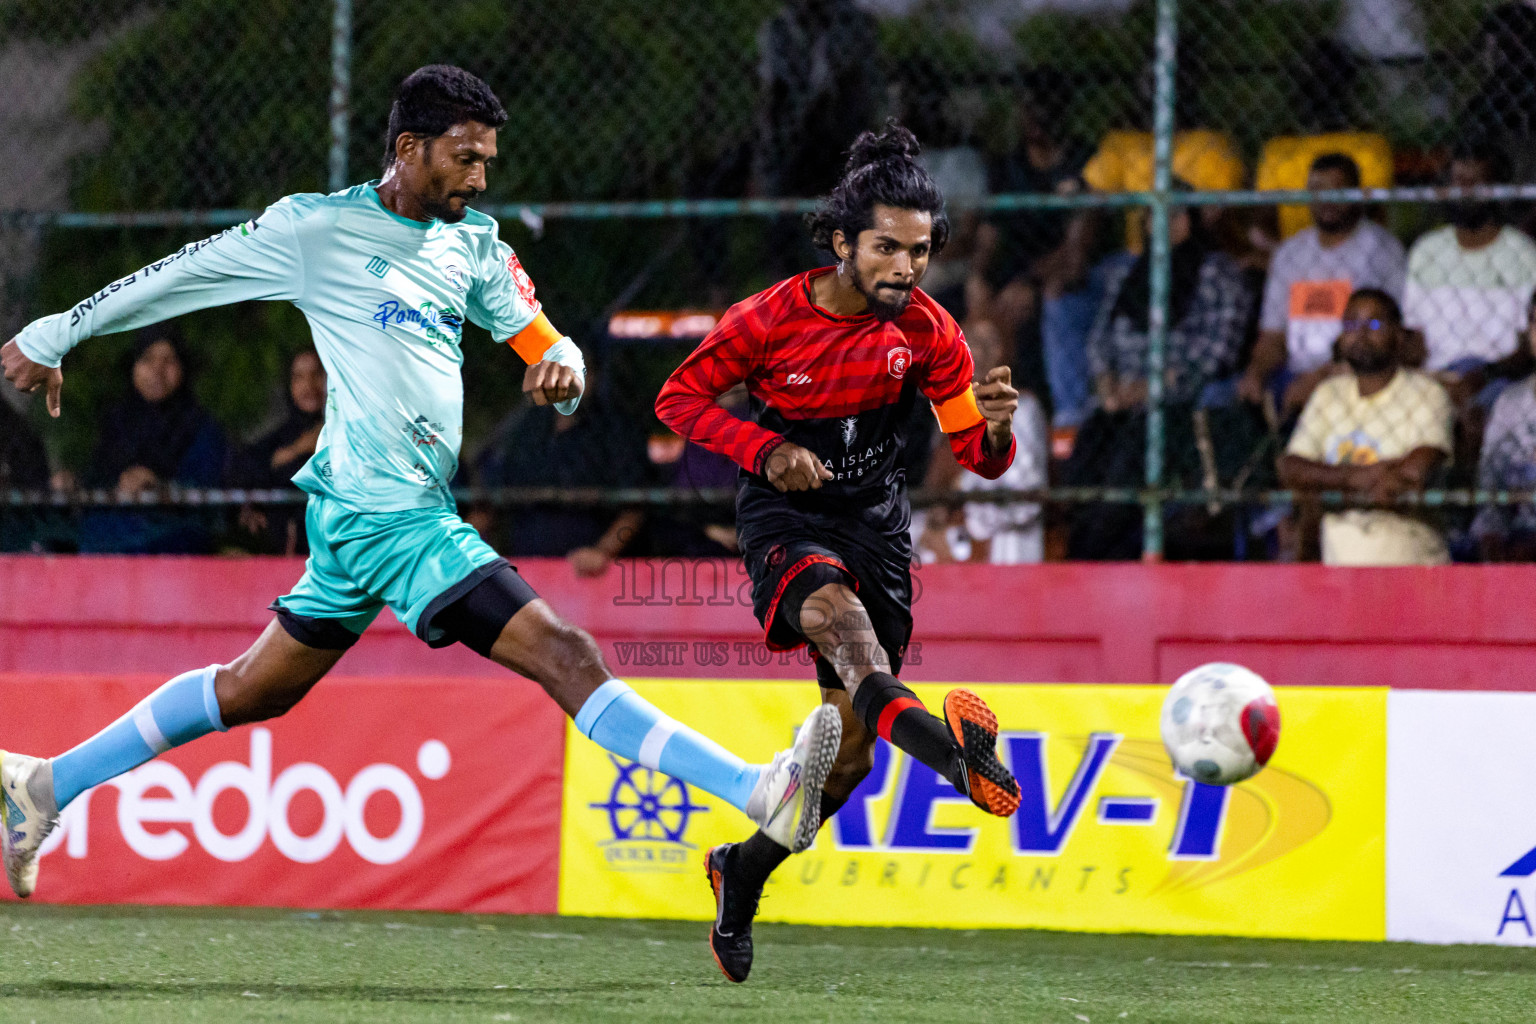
433,99
882,170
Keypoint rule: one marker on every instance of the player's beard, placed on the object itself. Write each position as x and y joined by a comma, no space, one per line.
883,311
444,210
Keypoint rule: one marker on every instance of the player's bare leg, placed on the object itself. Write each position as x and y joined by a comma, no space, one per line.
962,746
855,757
738,871
270,678
783,798
264,682
564,660
874,703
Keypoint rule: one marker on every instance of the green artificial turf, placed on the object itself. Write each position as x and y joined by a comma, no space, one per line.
77,965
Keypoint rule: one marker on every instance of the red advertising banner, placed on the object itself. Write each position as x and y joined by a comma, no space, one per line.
385,792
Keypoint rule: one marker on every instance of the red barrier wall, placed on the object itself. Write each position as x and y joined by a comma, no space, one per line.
1459,627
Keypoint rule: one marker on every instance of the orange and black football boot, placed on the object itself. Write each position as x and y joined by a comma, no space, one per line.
992,786
735,906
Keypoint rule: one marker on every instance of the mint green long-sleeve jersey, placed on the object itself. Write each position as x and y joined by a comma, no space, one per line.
386,299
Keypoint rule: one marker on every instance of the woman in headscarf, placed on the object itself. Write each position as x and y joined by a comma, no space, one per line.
156,436
269,462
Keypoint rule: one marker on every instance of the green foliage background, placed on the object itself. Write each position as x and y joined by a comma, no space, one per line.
224,103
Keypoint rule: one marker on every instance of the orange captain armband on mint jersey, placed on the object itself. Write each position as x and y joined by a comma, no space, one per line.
958,413
536,339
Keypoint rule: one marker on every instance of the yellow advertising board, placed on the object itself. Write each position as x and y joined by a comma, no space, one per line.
1107,837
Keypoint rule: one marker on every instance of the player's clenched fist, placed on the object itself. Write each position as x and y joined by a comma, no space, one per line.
549,382
792,468
997,400
28,376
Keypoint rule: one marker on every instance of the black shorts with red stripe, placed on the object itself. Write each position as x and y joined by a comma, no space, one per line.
790,553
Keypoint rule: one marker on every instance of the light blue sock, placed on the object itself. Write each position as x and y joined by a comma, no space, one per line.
617,718
179,712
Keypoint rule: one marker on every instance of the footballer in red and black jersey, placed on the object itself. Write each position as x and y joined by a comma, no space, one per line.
835,361
843,388
840,386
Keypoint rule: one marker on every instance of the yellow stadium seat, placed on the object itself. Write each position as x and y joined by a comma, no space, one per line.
1286,160
1208,160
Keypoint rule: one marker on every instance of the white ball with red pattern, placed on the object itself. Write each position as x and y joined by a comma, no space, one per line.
1220,724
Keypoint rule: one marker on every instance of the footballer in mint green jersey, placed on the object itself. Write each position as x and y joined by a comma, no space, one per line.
386,273
386,298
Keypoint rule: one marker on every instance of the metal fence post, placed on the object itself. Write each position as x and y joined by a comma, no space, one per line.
341,91
1165,64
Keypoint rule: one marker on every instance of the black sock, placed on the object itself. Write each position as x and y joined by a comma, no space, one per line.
756,859
894,713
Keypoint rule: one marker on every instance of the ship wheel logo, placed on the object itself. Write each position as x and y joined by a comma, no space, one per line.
647,806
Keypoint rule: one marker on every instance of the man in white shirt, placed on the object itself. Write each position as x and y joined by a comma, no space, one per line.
1470,283
1310,278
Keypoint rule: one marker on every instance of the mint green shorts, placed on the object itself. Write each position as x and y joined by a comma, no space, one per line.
417,561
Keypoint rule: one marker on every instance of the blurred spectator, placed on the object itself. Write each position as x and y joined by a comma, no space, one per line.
818,86
1503,109
1470,284
944,120
1507,533
1379,431
680,464
1209,309
1209,305
24,466
23,463
1035,263
271,460
535,446
1207,160
1311,277
1001,533
1324,90
158,436
1290,162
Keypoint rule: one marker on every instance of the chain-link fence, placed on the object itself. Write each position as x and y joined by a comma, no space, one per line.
1111,170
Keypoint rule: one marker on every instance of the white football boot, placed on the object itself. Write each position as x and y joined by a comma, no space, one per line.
786,802
28,813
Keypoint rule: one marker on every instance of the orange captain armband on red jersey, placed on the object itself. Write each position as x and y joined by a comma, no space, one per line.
958,413
534,340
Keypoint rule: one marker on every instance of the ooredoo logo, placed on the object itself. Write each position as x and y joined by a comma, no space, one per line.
268,804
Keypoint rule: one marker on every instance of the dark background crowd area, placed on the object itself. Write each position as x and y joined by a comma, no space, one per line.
1284,96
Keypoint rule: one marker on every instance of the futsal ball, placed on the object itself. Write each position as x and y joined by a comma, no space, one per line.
1220,724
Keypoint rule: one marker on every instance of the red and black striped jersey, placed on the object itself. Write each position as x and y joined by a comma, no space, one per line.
840,386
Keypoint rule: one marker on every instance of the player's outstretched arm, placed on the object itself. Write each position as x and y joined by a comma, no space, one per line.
688,404
28,376
253,261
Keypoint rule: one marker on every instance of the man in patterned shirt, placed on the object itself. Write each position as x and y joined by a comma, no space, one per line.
1209,307
1507,533
834,360
1379,431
